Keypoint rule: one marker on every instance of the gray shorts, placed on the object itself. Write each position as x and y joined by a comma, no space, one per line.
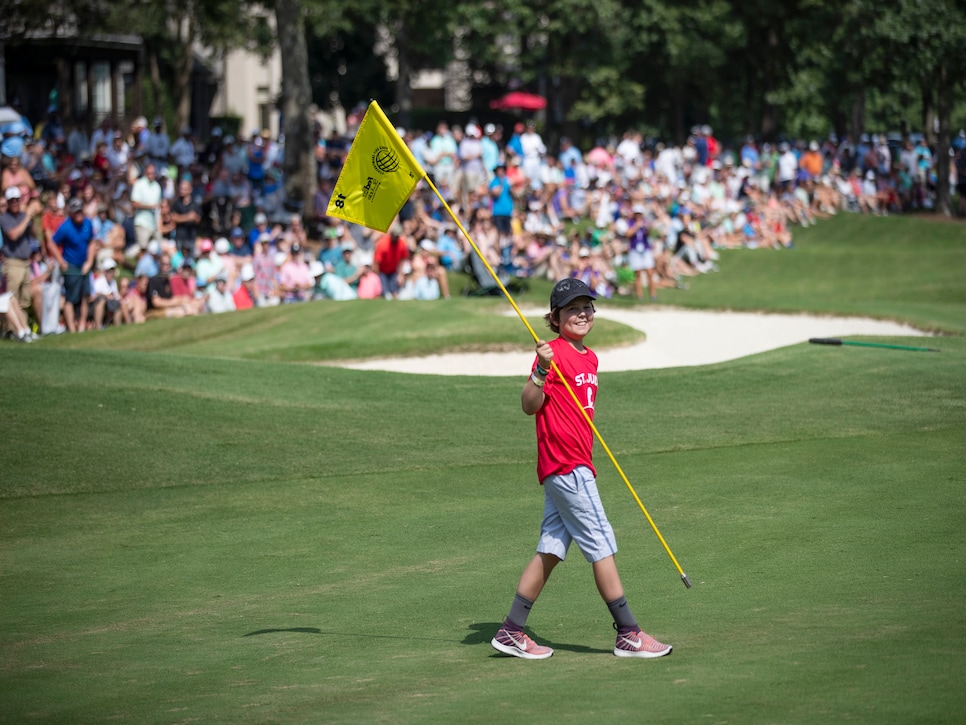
573,511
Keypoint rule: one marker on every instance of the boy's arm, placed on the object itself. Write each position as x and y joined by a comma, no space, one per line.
532,396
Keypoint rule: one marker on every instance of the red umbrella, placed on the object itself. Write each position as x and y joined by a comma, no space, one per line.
519,100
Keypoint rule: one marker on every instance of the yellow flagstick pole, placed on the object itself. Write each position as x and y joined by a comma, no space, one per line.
600,438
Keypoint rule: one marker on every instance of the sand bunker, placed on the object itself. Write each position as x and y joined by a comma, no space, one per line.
675,338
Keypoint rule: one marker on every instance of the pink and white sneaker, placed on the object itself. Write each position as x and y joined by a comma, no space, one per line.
519,645
639,644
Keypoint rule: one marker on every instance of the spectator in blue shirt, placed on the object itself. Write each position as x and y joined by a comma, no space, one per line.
74,251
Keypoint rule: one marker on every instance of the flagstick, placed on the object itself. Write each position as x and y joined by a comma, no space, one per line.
600,438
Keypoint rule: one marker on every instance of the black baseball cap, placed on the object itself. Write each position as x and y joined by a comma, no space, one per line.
567,290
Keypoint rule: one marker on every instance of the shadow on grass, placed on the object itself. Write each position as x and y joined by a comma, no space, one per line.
316,630
482,632
302,630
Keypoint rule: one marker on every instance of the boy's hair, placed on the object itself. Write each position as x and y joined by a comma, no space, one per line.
552,319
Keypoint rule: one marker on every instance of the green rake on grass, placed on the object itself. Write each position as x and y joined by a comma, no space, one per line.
836,341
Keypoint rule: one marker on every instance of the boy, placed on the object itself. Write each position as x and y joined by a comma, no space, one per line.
572,506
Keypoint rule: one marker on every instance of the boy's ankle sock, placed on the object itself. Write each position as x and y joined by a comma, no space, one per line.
519,611
623,617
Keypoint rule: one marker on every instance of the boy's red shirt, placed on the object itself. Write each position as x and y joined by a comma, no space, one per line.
564,440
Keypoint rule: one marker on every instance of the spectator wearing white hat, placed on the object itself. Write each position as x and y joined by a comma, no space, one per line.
220,299
329,285
230,263
245,297
429,278
470,172
787,165
534,151
812,163
16,225
139,132
105,301
406,278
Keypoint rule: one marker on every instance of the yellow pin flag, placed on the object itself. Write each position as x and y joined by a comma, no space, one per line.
378,176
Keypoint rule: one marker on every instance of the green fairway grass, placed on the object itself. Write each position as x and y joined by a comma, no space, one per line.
903,268
197,526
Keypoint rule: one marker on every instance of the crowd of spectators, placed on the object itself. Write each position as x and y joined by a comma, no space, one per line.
128,224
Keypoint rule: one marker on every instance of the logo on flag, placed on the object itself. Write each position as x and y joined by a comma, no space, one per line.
385,160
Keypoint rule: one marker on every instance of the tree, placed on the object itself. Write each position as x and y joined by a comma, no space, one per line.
299,164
